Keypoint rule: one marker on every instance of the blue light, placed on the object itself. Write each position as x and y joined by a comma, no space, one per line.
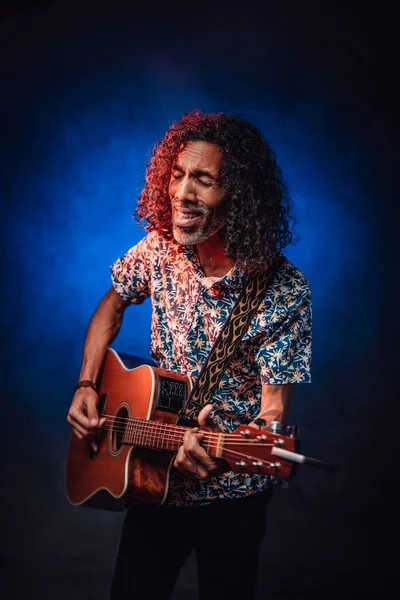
74,189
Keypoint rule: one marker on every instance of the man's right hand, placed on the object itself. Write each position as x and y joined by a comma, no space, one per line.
83,415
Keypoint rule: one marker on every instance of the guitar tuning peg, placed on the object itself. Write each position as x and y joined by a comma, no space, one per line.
292,430
275,427
260,422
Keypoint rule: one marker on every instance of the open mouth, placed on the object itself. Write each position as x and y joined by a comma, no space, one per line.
186,217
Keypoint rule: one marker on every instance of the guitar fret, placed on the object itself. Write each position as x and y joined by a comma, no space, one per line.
172,441
135,436
147,430
130,431
135,432
153,439
144,437
141,436
126,433
159,438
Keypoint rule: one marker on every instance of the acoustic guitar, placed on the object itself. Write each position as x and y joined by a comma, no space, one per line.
138,443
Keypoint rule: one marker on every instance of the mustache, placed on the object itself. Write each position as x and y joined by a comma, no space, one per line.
194,207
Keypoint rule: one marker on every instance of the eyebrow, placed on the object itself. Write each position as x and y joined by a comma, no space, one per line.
197,172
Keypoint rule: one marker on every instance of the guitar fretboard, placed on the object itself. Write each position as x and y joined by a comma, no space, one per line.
152,434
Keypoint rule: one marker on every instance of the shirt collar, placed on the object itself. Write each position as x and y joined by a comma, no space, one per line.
233,280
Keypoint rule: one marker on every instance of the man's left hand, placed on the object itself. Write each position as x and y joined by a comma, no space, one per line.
192,459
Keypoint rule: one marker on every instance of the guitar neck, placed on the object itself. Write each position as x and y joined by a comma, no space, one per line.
157,435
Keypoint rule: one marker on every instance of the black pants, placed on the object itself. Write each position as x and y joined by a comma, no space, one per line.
157,540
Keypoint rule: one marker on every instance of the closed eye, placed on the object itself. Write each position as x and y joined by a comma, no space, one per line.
176,173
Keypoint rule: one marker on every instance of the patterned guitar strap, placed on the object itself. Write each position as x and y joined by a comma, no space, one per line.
230,335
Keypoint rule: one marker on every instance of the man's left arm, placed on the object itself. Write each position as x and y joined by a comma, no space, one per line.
275,403
284,360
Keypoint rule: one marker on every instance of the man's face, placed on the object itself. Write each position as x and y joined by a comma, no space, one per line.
196,193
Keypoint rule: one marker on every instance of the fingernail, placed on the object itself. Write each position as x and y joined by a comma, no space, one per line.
93,422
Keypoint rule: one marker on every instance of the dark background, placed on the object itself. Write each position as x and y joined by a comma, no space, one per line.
87,88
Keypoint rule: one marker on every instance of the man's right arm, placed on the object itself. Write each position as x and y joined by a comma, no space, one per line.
103,328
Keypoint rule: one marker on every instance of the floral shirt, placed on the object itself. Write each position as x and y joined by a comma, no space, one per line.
188,312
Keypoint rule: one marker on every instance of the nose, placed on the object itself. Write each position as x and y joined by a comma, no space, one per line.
183,189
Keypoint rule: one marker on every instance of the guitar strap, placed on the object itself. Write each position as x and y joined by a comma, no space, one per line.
226,343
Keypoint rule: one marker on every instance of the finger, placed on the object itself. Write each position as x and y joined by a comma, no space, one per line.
187,467
76,420
192,436
78,435
197,454
85,433
77,415
204,414
83,428
92,413
81,437
202,461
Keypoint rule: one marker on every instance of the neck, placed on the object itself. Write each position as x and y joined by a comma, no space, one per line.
213,258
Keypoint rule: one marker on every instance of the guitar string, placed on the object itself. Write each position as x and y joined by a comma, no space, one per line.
140,431
132,420
124,422
172,434
265,463
210,444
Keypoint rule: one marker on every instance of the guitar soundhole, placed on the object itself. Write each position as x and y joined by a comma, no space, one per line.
118,430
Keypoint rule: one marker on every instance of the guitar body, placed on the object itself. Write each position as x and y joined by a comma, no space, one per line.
118,473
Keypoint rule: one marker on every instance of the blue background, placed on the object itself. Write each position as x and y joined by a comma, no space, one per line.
88,88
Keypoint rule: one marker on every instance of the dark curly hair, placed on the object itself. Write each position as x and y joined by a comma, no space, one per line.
258,214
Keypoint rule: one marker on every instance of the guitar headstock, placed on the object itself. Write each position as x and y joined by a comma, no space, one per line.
251,450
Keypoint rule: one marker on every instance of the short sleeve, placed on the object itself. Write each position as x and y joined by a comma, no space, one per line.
131,273
285,357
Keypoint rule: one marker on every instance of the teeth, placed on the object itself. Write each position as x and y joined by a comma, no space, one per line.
187,215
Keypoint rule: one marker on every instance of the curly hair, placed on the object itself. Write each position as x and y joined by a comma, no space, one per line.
258,214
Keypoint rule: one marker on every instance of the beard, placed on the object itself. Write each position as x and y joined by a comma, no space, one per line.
205,225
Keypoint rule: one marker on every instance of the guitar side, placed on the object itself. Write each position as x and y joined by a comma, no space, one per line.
118,473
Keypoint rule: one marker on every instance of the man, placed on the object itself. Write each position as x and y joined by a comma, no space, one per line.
216,210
